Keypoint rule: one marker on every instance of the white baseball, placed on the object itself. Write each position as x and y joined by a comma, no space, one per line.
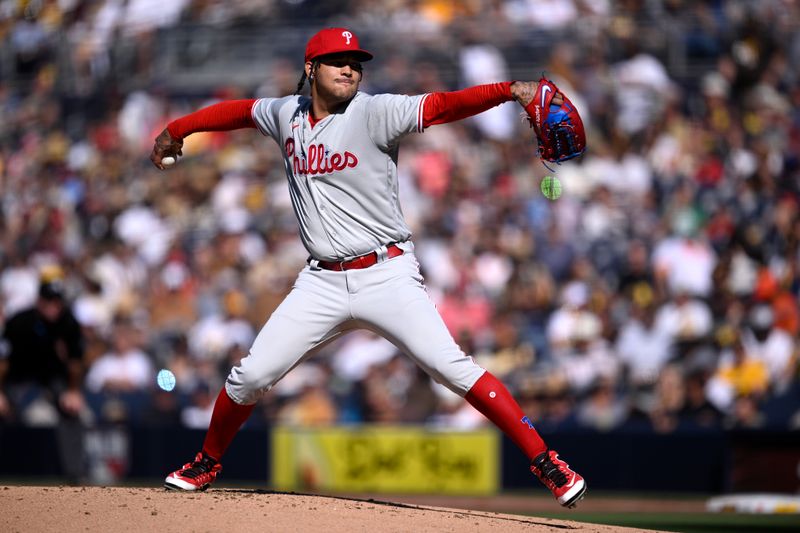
168,161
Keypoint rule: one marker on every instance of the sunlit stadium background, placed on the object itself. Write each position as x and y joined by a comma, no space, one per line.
647,320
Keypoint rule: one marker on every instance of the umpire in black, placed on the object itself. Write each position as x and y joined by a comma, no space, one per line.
41,364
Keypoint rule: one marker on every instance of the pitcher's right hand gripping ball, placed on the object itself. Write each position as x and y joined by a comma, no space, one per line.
559,128
166,146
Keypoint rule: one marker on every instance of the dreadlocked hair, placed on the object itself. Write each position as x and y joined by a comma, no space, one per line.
301,83
304,77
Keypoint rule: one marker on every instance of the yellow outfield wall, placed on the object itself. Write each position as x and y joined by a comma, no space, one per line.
386,459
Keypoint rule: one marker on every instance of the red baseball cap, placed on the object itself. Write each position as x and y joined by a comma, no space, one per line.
334,41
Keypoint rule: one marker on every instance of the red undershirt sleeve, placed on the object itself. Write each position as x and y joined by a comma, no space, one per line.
441,108
224,116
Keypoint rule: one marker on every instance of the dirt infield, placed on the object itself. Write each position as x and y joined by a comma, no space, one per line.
80,509
527,504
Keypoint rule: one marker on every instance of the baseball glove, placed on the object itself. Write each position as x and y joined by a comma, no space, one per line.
559,128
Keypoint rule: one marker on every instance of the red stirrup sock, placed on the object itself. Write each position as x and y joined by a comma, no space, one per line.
227,418
493,400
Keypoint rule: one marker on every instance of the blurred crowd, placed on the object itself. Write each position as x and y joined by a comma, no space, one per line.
660,291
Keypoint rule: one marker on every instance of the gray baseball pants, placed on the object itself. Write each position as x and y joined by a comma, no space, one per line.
388,298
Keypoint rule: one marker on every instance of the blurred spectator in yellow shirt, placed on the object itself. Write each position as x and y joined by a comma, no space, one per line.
738,374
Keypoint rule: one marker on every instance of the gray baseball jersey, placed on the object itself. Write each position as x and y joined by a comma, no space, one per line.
343,172
343,182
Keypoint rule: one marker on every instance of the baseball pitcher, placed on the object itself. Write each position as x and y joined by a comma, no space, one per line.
340,151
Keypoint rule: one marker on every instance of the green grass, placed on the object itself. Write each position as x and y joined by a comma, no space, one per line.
690,522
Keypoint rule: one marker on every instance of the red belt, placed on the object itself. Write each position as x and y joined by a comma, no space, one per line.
362,261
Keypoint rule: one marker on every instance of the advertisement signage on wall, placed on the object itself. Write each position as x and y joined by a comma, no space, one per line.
386,459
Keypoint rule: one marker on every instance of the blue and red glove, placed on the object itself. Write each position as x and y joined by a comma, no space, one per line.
559,128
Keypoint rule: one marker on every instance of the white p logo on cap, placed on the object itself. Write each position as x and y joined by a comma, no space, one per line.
347,35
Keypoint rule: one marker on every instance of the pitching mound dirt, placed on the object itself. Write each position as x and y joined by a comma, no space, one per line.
80,509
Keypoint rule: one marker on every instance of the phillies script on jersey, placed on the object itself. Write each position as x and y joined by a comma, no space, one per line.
320,160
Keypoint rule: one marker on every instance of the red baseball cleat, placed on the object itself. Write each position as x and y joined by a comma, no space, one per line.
567,486
197,475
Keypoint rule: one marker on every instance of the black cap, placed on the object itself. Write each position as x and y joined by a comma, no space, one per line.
51,290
